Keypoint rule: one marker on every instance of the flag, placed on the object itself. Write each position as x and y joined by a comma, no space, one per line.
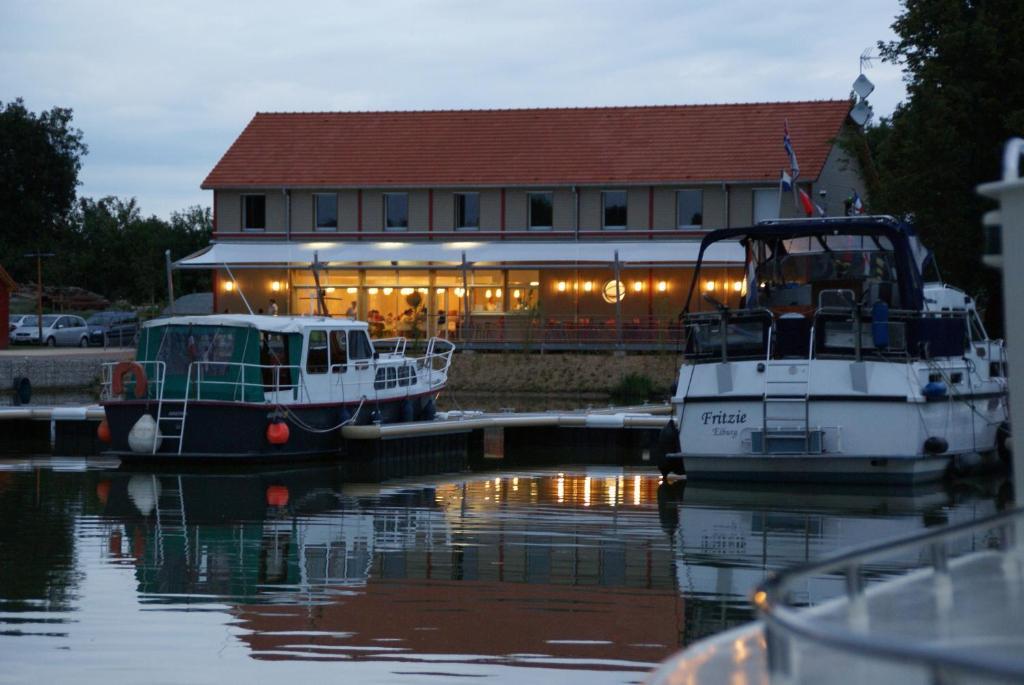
786,182
805,202
858,206
794,167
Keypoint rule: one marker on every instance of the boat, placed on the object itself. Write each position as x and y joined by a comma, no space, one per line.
256,387
839,363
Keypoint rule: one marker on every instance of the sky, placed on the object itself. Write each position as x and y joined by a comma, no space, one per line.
162,89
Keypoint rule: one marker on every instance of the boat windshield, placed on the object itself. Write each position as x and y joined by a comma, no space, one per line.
793,273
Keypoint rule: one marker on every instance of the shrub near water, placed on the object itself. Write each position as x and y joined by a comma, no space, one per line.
633,388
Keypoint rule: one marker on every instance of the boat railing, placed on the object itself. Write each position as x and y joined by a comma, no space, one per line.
249,383
155,371
391,346
955,618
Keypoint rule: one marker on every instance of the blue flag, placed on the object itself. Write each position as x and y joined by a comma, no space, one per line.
794,167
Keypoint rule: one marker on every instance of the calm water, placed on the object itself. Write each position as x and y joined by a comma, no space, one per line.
579,576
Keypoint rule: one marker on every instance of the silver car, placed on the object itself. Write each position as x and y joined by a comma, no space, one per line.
58,329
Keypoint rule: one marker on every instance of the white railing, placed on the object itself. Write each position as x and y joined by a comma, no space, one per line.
389,375
155,371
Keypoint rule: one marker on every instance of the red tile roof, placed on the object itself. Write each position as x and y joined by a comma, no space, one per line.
669,144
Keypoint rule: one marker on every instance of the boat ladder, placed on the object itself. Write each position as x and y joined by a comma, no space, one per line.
173,419
170,515
785,408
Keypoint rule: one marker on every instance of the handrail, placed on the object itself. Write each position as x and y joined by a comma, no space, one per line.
782,622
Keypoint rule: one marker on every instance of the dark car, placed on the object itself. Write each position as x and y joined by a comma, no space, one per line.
115,329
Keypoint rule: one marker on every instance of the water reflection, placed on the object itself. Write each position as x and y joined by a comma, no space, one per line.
590,574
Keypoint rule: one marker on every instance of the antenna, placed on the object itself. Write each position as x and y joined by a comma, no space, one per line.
866,59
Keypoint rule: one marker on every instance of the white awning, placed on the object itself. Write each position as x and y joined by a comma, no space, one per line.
538,253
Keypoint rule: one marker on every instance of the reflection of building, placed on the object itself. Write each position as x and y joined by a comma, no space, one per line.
573,566
544,225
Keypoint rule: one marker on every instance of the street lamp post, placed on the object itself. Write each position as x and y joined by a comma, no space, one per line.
39,288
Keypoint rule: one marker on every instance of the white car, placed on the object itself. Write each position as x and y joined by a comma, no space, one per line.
16,320
58,329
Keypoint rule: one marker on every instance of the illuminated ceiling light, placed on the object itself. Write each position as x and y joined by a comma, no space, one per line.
388,291
351,290
534,284
439,291
372,291
709,286
488,293
423,290
638,286
561,286
390,246
229,286
407,291
497,293
328,290
275,286
662,286
516,293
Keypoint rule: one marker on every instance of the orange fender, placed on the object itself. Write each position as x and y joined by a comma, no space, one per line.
121,369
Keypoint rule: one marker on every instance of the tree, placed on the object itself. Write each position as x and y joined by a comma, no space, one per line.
40,157
964,69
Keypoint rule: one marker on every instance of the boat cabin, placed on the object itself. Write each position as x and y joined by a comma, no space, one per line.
811,285
252,358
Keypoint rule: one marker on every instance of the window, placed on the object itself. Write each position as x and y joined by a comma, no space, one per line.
540,209
316,356
613,208
339,357
396,211
274,360
359,346
766,204
689,208
325,212
467,210
254,212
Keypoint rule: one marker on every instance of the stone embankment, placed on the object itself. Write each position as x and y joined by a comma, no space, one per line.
57,368
554,373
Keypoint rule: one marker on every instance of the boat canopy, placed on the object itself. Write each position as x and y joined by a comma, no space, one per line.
900,238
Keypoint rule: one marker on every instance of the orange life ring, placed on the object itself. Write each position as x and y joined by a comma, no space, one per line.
134,368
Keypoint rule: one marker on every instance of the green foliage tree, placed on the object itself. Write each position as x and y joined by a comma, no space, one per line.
110,248
40,157
963,65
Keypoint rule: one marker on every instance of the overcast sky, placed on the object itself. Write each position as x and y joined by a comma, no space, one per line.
162,89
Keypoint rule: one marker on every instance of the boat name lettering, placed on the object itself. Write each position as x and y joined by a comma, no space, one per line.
723,417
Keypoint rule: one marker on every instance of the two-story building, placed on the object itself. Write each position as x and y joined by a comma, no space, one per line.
496,225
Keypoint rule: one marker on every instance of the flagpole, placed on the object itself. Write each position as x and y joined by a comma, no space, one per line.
781,176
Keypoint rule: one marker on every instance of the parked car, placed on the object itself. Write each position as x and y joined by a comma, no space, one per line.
16,320
58,329
117,328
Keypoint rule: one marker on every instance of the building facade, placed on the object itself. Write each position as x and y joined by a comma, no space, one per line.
505,226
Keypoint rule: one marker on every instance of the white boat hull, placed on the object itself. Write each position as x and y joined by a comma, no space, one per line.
869,424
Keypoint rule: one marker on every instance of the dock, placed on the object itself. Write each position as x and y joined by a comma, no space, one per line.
452,441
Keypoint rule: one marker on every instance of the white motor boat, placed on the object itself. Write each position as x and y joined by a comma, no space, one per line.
840,363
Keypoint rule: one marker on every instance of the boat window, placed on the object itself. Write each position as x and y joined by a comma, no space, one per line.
274,353
339,355
359,345
405,376
386,377
316,357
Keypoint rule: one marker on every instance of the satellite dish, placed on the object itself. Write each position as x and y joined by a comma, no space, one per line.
863,87
861,113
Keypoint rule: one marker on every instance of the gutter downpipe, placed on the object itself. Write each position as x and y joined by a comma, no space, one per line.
576,204
618,304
